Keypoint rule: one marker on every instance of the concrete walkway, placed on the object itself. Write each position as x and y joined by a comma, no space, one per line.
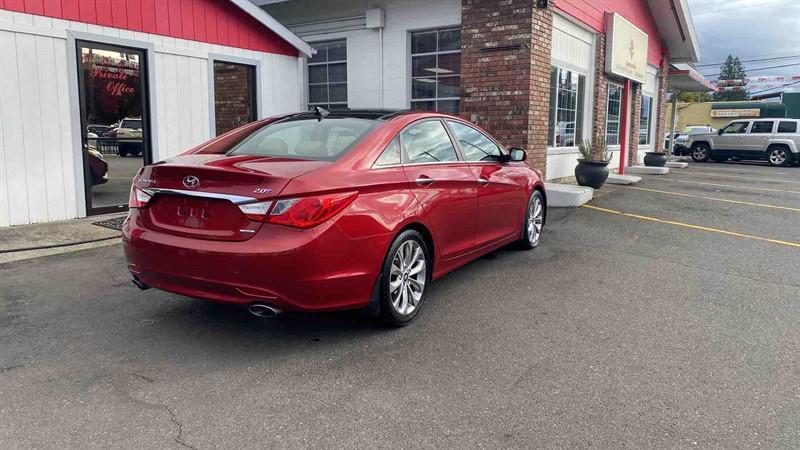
55,237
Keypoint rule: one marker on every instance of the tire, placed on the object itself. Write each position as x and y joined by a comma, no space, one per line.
533,225
701,152
779,156
403,281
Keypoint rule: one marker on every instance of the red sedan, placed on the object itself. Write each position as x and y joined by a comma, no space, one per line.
323,211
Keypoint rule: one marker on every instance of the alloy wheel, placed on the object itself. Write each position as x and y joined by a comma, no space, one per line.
407,278
535,220
777,157
699,153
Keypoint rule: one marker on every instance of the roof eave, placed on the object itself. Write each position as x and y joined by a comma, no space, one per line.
676,27
270,22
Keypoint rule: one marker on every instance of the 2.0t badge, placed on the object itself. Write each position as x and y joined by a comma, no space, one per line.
191,181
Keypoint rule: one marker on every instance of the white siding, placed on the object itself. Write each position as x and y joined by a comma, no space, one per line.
40,170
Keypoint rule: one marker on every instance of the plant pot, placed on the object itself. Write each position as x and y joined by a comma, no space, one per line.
655,159
591,173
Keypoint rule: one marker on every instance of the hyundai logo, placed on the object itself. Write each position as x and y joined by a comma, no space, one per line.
191,181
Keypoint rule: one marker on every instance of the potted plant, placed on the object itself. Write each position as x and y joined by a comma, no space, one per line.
592,168
655,159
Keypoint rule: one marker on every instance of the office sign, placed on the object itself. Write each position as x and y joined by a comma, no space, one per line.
626,49
727,113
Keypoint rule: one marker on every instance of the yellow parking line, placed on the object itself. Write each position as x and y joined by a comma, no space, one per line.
694,227
738,202
673,180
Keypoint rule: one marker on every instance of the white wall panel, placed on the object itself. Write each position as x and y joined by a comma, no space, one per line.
40,171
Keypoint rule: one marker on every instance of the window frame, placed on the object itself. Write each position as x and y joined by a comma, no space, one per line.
794,122
771,128
327,63
462,154
404,155
747,123
579,109
435,76
619,112
648,134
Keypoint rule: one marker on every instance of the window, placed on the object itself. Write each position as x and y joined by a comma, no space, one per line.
306,137
613,114
436,70
390,156
645,114
327,75
787,127
762,127
428,142
736,128
566,108
235,101
475,145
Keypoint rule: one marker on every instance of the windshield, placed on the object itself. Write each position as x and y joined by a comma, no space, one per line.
306,138
691,130
133,124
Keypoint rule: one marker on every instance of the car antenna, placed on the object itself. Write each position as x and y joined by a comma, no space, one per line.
321,113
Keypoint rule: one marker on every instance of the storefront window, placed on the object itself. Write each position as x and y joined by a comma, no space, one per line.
645,114
436,70
234,95
567,91
113,93
613,114
327,75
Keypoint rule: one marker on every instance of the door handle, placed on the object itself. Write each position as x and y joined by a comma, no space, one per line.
483,181
424,180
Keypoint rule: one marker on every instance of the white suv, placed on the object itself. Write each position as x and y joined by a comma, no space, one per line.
775,140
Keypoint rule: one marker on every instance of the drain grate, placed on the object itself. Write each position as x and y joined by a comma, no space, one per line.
114,224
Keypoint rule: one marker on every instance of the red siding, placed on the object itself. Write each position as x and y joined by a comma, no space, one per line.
592,14
212,21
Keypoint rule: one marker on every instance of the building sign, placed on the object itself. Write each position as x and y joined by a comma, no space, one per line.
728,113
626,49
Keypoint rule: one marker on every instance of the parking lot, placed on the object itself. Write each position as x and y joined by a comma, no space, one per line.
660,315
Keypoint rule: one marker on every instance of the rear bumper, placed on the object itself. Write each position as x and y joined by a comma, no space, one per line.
320,269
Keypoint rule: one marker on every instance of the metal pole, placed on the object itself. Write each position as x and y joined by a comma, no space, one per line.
672,124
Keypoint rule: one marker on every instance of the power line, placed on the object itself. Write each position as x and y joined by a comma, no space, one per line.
750,60
758,69
773,88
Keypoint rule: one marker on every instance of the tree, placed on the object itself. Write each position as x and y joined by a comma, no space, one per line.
733,81
694,97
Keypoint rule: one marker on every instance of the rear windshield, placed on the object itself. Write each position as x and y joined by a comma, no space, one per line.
306,138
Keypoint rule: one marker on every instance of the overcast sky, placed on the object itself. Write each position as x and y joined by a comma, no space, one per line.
749,29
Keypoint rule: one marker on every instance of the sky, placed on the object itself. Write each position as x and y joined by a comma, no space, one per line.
749,29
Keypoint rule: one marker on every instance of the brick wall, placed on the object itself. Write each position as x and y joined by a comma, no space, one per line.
233,96
505,71
600,110
661,110
636,114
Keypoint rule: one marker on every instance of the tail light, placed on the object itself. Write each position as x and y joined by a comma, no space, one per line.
308,212
138,198
256,211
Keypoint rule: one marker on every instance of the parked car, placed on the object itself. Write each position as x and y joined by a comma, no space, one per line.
324,211
565,131
99,130
666,139
129,136
680,148
775,140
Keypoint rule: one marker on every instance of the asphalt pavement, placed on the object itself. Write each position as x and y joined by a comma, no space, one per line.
664,315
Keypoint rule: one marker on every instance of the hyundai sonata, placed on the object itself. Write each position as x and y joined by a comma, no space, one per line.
322,211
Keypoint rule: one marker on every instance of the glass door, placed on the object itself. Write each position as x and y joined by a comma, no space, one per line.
114,122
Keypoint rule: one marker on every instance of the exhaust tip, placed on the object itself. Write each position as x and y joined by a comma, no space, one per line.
141,285
263,310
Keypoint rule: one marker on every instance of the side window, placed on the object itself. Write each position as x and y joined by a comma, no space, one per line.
476,146
787,127
736,128
390,156
762,127
428,142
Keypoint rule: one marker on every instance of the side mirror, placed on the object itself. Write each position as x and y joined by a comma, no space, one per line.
719,132
518,155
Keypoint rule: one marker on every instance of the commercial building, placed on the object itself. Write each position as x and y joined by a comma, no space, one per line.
92,89
164,76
